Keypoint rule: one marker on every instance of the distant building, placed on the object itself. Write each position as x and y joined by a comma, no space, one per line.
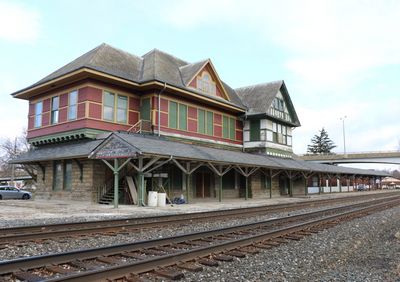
109,115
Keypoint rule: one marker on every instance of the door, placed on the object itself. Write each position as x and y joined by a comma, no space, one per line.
203,184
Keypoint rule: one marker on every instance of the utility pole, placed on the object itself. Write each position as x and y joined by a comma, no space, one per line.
13,165
344,135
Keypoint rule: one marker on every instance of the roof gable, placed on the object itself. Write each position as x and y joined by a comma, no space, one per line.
259,99
113,147
194,74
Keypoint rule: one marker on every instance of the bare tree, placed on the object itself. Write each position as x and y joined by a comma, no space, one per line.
10,148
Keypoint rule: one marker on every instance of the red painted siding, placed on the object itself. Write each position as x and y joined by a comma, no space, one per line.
217,130
133,118
163,119
31,109
164,105
239,124
89,93
31,122
239,135
193,134
81,110
46,105
62,115
134,104
192,112
95,111
63,100
192,125
46,119
218,119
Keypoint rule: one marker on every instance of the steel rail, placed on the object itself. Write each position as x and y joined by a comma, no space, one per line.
38,261
184,256
66,229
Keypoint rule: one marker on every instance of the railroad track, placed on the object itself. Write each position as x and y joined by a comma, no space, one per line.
167,257
114,226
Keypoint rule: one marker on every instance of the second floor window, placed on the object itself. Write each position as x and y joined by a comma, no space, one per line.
108,106
205,122
115,107
280,134
38,114
54,109
228,127
73,101
205,84
122,107
177,116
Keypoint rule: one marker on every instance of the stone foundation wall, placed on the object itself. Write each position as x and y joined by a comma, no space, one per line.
81,190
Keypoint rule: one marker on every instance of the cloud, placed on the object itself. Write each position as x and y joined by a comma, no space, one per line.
18,23
328,42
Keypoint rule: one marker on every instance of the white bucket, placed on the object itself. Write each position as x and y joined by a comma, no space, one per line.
162,197
152,199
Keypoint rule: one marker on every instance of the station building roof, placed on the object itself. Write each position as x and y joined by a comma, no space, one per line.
123,145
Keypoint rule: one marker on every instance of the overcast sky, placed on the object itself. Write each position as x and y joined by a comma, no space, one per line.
337,58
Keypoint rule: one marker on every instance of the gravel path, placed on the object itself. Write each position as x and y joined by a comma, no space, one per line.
365,249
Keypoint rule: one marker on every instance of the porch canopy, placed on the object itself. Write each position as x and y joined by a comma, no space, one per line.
146,153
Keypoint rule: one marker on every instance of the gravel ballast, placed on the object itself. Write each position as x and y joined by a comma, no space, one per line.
364,249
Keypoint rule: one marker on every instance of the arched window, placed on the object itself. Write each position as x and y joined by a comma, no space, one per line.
206,84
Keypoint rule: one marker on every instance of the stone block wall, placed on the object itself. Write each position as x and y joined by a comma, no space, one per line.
81,190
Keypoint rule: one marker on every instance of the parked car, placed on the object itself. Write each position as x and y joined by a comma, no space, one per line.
10,192
361,187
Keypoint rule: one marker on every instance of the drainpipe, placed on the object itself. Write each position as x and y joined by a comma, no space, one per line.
159,107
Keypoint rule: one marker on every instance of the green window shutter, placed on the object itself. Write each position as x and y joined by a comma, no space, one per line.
173,115
232,128
254,130
145,109
182,117
225,127
201,122
210,123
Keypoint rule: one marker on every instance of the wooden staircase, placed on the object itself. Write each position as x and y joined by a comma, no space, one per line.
108,198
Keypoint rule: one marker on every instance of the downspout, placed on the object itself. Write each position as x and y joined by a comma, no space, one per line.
159,108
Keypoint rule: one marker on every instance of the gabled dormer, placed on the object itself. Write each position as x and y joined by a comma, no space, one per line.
203,77
270,118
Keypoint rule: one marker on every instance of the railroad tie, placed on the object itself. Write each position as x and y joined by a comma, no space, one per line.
271,243
223,257
153,252
58,269
293,237
250,250
235,253
170,274
208,262
262,246
132,255
26,276
191,266
108,260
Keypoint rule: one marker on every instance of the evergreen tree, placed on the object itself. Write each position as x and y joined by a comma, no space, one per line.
321,144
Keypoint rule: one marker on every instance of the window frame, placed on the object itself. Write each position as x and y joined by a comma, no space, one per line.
73,105
38,116
55,109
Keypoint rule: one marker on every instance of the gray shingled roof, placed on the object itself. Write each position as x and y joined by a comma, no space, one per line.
79,149
258,98
153,66
153,145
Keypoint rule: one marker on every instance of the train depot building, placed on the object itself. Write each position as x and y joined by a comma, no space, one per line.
109,121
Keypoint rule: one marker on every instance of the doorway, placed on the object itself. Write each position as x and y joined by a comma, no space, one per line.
204,183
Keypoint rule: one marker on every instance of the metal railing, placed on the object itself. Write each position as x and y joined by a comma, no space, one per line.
142,126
